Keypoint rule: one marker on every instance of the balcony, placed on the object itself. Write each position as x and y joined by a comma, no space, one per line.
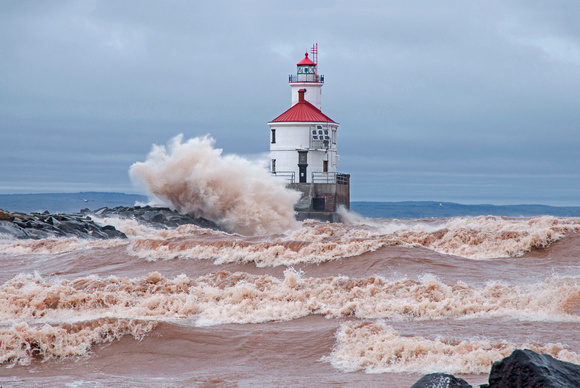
305,78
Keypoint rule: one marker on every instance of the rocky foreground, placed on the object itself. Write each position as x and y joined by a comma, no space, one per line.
82,224
522,369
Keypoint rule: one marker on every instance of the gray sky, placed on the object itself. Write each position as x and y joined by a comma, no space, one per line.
464,101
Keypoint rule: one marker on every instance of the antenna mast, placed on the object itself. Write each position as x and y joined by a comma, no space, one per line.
314,52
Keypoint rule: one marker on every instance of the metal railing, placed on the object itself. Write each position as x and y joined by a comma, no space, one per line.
305,78
287,175
330,177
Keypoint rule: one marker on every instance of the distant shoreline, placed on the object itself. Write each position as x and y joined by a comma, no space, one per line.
433,209
74,202
67,202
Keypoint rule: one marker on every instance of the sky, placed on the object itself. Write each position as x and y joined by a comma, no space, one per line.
462,101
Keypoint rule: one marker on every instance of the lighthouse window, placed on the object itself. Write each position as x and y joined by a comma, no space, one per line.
273,165
273,136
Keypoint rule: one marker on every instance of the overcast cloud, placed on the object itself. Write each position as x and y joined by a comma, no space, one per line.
465,101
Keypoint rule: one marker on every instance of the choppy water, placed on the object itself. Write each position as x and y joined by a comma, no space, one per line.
374,302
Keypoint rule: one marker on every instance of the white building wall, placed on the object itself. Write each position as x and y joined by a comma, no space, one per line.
294,137
290,136
312,95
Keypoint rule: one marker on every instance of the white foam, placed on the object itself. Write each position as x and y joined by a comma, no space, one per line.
194,177
226,297
48,308
376,348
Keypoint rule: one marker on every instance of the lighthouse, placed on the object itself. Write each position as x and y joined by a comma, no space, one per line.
303,147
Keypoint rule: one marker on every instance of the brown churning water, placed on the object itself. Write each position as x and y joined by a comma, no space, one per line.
367,302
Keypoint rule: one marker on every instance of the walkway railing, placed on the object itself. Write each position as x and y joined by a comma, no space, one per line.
330,177
305,78
287,175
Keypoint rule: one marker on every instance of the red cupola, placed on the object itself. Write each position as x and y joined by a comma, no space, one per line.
306,61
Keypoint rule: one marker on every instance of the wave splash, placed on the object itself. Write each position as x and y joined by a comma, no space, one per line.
377,348
225,297
239,195
477,238
52,318
22,342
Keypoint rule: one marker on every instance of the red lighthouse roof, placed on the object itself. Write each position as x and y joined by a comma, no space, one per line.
303,111
306,61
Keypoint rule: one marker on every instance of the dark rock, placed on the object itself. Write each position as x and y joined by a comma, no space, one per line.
205,223
112,232
526,368
12,229
45,225
18,222
100,211
440,380
38,234
154,217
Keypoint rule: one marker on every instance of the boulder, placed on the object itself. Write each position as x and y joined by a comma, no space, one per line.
46,225
11,229
526,368
440,380
154,217
4,215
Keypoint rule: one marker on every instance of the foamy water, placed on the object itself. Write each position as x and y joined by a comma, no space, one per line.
377,348
315,242
362,279
226,297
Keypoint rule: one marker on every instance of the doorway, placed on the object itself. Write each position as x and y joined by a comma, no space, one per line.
302,166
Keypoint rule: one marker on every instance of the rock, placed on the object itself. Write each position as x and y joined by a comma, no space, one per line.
38,234
39,226
112,232
11,229
5,216
100,211
81,225
526,368
157,217
440,380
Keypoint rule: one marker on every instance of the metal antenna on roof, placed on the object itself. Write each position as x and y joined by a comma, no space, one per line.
314,52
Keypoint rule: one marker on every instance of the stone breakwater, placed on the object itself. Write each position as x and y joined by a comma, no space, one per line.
82,225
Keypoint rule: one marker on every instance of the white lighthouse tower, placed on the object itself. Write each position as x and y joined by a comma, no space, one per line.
303,146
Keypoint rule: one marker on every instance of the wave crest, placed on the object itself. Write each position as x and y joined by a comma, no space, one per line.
377,348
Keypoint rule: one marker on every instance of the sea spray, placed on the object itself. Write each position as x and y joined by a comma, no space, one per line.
239,195
377,348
